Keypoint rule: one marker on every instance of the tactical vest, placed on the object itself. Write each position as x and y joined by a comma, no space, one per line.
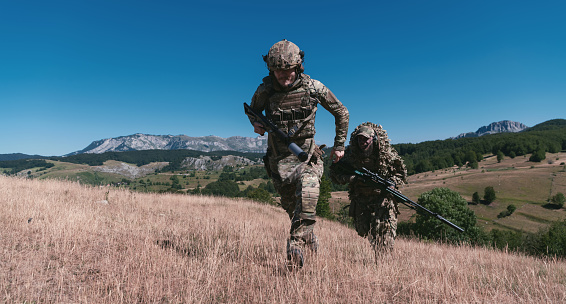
294,111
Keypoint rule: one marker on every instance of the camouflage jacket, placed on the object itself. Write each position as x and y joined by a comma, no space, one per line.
294,109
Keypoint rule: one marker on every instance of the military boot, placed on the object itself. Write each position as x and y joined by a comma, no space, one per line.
295,257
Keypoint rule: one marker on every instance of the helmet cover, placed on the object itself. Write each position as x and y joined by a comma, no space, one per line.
283,55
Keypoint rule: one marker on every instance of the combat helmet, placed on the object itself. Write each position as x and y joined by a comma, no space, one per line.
284,55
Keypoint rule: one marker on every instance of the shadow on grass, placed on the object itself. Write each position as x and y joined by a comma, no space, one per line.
184,250
551,206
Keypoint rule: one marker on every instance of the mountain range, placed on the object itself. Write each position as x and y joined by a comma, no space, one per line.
210,143
504,126
235,143
138,142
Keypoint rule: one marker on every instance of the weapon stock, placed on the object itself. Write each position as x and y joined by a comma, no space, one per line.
389,185
270,127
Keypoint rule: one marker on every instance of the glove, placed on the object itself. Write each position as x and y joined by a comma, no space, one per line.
318,152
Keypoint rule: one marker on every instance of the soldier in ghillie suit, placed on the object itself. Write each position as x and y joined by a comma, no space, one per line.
374,210
290,98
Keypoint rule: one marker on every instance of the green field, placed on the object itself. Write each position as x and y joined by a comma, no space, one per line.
152,182
517,181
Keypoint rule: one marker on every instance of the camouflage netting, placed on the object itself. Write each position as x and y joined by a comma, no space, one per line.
388,159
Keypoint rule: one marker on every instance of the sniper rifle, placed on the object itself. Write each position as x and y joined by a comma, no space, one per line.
389,186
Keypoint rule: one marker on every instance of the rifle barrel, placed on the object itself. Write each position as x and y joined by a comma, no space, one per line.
405,200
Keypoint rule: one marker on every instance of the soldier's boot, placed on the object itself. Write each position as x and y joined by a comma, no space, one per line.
295,259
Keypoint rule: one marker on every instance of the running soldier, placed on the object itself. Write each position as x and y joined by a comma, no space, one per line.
290,98
374,210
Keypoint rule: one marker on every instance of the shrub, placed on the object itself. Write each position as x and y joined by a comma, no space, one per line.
500,156
476,198
473,165
261,195
538,156
511,208
508,212
506,239
222,188
450,205
558,199
549,241
489,195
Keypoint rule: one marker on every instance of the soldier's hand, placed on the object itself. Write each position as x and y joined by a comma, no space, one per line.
259,128
335,156
318,151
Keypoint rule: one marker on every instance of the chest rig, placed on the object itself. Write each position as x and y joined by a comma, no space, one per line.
294,111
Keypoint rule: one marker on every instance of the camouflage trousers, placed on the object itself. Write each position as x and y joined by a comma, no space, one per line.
298,184
376,219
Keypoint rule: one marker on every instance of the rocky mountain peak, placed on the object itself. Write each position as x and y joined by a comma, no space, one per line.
495,127
210,143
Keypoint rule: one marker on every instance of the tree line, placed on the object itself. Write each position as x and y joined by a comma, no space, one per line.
144,157
546,137
229,180
16,166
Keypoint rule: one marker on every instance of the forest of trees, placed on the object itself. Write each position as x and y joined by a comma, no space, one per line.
548,137
16,166
144,157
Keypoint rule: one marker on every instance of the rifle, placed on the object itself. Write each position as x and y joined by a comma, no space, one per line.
389,186
270,127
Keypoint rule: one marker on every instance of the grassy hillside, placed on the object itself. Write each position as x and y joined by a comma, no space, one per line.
517,181
527,185
145,178
60,244
549,136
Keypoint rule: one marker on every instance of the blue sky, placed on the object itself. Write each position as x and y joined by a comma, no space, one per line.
72,72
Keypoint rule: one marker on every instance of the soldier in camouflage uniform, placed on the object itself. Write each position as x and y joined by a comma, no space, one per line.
374,210
290,99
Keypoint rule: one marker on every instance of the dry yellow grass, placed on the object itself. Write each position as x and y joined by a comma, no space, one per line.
150,248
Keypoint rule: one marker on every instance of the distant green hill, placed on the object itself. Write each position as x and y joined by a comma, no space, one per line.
17,156
139,158
549,136
144,157
14,166
549,125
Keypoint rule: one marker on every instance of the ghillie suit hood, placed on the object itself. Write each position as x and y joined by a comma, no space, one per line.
384,160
